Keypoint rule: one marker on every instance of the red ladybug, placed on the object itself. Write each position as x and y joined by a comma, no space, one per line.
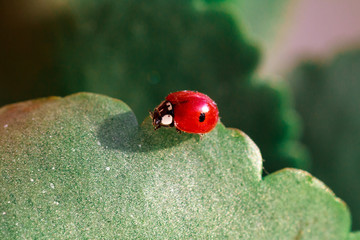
188,111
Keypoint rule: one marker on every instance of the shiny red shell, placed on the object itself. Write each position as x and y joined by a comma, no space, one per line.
194,112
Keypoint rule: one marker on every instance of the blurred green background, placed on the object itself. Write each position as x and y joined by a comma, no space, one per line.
271,66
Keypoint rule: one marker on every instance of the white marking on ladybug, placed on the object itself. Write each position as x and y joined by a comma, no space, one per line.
169,106
166,119
205,109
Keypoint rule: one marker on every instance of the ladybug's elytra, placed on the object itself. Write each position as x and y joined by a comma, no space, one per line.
188,111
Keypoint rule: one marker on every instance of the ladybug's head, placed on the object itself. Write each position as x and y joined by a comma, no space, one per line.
156,118
163,115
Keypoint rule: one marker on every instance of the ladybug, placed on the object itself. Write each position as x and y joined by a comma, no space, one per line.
188,111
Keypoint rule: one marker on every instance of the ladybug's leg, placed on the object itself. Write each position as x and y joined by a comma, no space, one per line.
178,130
201,135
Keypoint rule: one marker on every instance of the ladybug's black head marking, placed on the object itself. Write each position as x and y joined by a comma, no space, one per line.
157,121
202,117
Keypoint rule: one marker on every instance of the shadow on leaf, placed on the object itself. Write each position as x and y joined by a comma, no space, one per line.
123,133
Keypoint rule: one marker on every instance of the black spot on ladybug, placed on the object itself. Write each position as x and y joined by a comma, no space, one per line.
202,117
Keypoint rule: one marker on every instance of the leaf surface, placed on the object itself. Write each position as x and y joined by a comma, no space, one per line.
81,167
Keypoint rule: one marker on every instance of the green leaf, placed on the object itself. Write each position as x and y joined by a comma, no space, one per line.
354,236
81,167
261,18
328,100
